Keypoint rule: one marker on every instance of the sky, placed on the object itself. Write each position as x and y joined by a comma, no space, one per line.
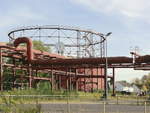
128,20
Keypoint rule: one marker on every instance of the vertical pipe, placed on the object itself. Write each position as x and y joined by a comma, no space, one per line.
59,82
101,55
113,81
36,72
30,55
30,76
14,71
106,67
97,77
84,81
70,81
105,84
79,83
22,79
67,84
1,71
76,80
52,79
92,79
101,72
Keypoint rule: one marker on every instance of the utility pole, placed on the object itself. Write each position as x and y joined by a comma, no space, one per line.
106,66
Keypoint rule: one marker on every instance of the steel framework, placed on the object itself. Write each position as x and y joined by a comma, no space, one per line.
65,40
84,69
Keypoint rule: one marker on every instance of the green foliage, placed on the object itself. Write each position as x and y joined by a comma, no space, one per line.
143,83
9,79
39,45
10,105
137,82
40,74
44,87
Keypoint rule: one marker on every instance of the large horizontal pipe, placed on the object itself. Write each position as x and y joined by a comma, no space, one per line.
30,50
82,61
111,60
143,59
95,61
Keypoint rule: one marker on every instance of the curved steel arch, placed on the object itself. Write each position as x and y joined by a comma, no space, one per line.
65,40
54,27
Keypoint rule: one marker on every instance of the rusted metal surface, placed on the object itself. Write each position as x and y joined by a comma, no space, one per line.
81,73
143,59
79,61
83,61
29,46
88,55
79,42
72,62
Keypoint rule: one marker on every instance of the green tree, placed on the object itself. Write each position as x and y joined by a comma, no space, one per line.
137,82
9,79
39,45
143,83
146,81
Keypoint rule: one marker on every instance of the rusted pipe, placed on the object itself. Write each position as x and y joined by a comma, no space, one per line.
111,60
94,61
143,59
30,57
28,41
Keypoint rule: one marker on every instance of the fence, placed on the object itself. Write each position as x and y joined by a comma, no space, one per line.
72,104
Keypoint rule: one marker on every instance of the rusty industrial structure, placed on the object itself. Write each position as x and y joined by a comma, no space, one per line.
78,59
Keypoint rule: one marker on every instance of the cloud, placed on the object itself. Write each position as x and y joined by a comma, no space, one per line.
18,16
129,74
130,8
